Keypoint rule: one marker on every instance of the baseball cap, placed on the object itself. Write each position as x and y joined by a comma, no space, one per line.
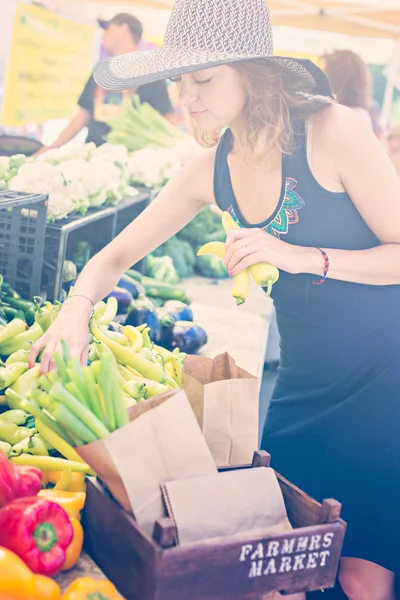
133,23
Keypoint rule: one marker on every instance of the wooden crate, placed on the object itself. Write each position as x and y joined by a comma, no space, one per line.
145,568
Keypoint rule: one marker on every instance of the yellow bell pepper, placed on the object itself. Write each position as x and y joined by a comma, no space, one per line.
72,502
85,588
74,550
17,582
77,484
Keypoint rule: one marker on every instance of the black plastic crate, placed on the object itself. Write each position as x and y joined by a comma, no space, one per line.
126,212
23,219
79,238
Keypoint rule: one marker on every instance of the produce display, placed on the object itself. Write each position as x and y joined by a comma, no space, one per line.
140,126
75,181
176,259
148,348
264,274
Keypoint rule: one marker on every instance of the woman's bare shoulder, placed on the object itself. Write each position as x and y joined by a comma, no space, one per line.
198,176
334,121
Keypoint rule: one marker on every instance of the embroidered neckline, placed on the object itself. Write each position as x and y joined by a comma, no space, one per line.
287,215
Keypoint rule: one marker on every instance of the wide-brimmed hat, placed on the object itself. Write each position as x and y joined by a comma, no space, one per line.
203,34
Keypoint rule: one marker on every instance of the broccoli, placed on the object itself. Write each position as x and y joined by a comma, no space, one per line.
211,266
162,268
182,256
198,230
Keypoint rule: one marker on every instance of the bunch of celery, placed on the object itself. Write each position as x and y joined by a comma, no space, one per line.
140,126
80,404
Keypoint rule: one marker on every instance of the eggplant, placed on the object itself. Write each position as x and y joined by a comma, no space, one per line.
124,298
167,323
186,336
179,310
134,287
141,312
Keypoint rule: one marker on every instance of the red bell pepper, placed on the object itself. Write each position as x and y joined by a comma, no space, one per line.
38,531
17,481
29,481
8,483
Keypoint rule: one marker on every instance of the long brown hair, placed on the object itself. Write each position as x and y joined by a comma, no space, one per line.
350,78
277,103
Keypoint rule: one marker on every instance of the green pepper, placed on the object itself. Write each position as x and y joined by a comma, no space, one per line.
19,303
9,313
20,356
14,328
8,375
23,341
6,448
46,315
17,416
12,433
30,445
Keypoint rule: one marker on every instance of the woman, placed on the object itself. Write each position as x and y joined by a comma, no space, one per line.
351,82
295,171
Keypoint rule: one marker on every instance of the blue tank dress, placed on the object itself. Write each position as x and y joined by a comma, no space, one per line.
333,425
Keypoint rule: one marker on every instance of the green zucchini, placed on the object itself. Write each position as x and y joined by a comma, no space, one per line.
9,312
134,275
165,291
19,303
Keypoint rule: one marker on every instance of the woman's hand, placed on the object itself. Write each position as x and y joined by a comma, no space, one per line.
247,247
71,326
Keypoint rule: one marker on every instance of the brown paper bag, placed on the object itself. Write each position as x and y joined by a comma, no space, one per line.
226,505
225,400
162,442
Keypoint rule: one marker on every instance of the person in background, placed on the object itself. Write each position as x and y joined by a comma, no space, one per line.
351,82
393,147
122,34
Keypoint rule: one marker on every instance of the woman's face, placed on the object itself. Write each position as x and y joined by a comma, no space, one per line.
214,98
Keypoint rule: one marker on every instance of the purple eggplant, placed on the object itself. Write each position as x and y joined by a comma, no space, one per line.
179,310
141,312
124,298
186,336
134,287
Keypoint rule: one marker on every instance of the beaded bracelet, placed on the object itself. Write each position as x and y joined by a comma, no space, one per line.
326,268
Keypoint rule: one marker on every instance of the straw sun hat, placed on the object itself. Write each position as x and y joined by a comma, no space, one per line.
207,33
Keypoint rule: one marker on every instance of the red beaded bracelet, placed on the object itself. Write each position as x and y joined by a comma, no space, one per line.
326,268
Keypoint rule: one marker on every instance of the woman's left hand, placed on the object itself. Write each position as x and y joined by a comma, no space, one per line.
247,247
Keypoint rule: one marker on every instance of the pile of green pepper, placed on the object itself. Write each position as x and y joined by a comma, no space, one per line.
18,435
13,306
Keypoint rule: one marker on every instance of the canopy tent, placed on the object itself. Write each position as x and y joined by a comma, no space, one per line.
302,27
367,18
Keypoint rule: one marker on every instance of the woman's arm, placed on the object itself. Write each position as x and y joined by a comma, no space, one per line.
179,202
371,181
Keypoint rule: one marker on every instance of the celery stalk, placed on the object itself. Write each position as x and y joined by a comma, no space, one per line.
73,424
60,394
95,403
111,374
33,408
107,393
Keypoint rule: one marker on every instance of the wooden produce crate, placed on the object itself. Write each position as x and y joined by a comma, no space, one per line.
145,568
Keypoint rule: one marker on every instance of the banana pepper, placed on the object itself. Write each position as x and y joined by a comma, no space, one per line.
74,550
72,502
17,582
87,588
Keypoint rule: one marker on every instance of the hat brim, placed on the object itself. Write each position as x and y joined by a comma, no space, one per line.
103,23
135,69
